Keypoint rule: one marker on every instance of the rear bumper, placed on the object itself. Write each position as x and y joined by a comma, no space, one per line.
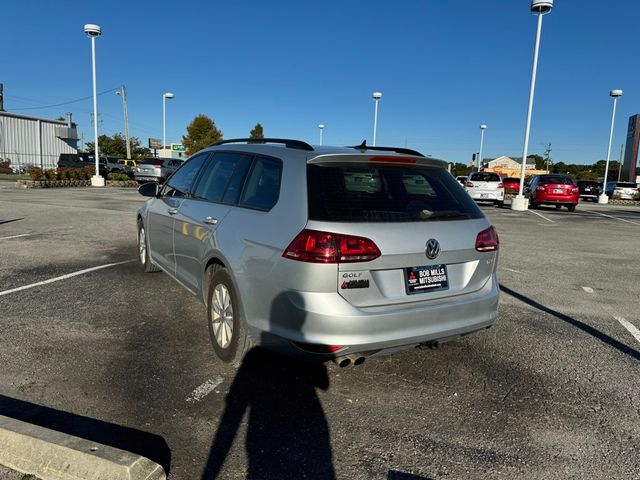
146,178
328,319
487,196
557,199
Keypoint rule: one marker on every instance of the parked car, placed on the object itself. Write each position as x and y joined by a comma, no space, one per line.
462,179
553,189
80,160
622,190
339,252
589,189
156,169
129,163
485,187
113,165
511,185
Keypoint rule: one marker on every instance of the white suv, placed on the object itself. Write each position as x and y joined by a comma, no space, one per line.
485,187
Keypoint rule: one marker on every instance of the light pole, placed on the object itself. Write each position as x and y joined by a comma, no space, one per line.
615,94
321,127
123,93
94,31
540,8
376,97
483,127
168,95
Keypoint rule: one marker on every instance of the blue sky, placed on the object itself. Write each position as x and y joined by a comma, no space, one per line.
443,67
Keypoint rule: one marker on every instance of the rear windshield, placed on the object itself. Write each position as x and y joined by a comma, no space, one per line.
511,180
393,193
152,161
484,177
556,179
625,185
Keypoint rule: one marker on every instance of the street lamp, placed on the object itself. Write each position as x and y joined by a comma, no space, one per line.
123,93
483,127
321,127
376,97
615,94
168,95
94,31
540,8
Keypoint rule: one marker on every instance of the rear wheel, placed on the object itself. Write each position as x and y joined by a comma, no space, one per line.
500,204
143,250
572,208
558,207
226,324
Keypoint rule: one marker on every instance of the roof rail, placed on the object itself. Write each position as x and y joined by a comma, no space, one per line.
405,151
297,144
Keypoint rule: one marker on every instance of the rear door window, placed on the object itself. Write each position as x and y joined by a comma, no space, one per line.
394,193
222,180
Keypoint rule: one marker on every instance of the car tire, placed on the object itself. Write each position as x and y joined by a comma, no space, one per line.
558,207
572,208
500,204
143,250
225,320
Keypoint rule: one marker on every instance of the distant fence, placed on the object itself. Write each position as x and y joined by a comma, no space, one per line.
21,162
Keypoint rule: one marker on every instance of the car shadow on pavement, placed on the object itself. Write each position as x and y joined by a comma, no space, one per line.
603,337
395,475
2,222
287,435
149,445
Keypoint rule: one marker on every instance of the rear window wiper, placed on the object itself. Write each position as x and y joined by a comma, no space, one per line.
444,214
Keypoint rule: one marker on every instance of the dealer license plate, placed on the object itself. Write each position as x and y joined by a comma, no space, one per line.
426,278
557,190
484,195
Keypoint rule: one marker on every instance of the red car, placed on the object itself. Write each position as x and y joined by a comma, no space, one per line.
511,185
558,190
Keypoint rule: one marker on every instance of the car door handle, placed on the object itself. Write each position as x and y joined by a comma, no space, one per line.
172,211
210,220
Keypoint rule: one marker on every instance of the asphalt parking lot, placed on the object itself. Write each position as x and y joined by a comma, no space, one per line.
551,391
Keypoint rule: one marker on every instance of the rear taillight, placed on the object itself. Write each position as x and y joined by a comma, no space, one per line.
540,189
575,190
500,185
487,240
468,185
325,247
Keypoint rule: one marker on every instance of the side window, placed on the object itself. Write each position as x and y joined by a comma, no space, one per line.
262,188
223,177
181,181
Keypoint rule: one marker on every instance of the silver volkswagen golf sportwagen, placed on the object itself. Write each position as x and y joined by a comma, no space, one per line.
322,252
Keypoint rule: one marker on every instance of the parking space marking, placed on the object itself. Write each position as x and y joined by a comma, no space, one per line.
17,236
205,389
64,277
588,289
614,218
542,216
511,270
630,327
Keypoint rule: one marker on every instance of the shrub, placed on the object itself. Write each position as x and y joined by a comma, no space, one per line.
35,173
118,176
636,197
50,173
86,173
72,173
62,174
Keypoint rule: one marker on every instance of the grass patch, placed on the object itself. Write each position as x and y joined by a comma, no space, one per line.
13,176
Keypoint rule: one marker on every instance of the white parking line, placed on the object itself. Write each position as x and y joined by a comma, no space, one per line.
17,236
511,270
629,326
205,389
64,277
614,218
540,215
588,289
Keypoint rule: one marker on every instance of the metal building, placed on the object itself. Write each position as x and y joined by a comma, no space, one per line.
31,141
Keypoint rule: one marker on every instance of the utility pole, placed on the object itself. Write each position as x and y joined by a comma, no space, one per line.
123,93
620,161
1,97
547,155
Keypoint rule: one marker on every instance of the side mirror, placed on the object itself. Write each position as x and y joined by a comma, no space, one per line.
150,189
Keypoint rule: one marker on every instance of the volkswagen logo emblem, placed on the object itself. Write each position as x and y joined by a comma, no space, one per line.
432,249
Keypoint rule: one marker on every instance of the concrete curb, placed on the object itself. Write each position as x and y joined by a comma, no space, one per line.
53,455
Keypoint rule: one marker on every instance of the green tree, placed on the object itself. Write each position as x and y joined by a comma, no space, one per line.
201,133
460,169
257,132
116,146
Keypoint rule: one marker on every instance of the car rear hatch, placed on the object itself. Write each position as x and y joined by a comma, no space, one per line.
484,183
150,167
559,189
408,217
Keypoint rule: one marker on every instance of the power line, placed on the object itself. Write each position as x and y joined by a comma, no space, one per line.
65,103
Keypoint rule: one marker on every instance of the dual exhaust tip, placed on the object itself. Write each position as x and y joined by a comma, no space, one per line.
349,360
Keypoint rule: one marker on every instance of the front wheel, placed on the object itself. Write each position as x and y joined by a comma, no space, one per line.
226,325
143,250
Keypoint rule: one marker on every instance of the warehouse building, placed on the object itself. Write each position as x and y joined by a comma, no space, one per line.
31,141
